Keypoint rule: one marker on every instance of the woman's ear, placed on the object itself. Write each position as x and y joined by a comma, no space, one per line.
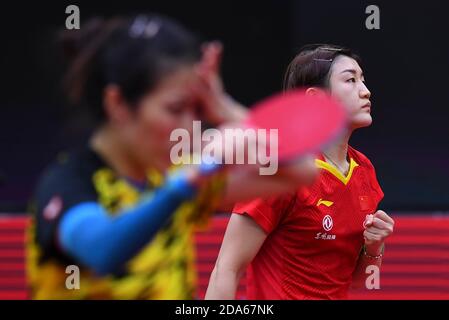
314,91
115,106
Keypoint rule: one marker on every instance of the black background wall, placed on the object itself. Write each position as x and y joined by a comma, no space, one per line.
406,64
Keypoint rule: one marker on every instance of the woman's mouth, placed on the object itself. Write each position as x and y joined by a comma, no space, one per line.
367,106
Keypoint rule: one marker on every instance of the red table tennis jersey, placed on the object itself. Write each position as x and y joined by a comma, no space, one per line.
314,235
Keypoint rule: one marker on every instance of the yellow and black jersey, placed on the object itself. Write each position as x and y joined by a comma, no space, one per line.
163,269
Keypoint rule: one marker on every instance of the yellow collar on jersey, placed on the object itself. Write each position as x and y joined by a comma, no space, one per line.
334,171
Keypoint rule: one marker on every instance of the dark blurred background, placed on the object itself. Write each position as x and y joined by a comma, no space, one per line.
406,64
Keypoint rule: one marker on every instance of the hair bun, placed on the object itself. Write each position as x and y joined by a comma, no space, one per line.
74,41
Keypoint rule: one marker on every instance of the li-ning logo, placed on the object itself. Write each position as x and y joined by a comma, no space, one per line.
328,223
324,202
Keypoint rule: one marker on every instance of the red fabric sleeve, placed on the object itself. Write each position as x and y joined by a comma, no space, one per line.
267,213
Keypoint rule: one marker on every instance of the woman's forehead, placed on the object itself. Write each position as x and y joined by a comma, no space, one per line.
344,63
177,83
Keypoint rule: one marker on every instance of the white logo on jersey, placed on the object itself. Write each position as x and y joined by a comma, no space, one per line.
325,236
328,223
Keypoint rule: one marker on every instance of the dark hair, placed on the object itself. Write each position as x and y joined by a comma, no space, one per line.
133,53
311,66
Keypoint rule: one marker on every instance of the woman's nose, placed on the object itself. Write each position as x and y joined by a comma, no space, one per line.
364,92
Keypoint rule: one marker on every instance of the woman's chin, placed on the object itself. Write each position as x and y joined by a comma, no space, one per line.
362,121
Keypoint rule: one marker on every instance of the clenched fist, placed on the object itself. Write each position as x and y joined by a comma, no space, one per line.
378,227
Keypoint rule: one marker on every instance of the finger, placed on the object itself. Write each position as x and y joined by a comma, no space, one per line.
381,224
374,230
208,72
216,53
369,236
204,65
211,46
380,232
383,216
368,221
212,53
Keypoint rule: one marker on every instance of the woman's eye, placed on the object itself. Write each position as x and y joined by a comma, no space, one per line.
351,80
176,108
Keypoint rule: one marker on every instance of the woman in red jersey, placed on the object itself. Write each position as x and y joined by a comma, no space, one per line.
318,241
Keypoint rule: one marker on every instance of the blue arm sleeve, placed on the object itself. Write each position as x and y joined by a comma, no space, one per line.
105,243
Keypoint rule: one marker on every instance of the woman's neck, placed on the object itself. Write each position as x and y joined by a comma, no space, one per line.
337,154
108,145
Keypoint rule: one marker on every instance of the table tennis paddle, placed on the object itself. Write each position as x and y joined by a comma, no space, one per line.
305,122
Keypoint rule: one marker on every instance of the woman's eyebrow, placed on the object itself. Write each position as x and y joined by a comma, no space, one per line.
353,71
